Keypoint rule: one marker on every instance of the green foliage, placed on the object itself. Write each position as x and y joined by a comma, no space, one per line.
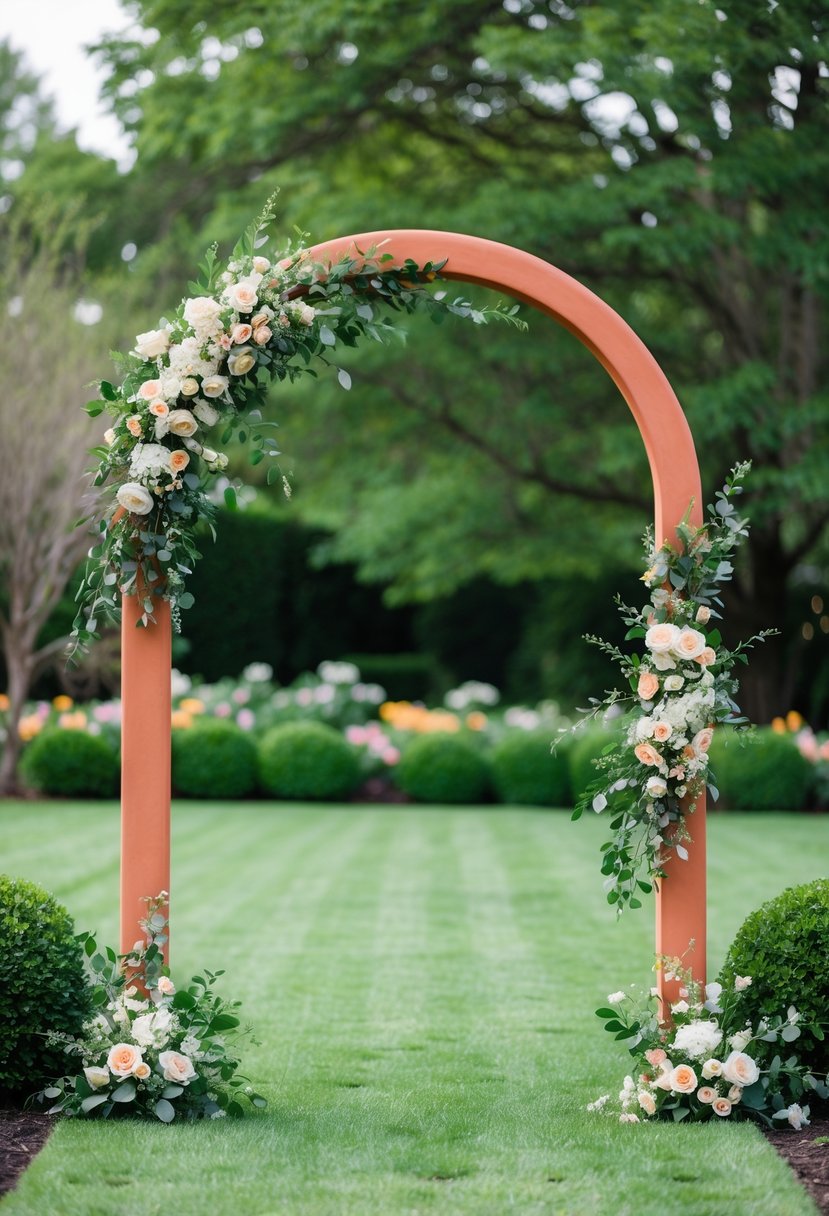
214,759
783,946
70,763
405,677
588,745
763,771
444,768
308,761
42,984
526,772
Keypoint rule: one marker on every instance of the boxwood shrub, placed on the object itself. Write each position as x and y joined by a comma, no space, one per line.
444,768
764,772
71,763
214,759
526,772
784,947
42,985
308,761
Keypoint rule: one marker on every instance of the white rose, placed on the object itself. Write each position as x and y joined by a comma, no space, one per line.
189,386
663,662
241,361
703,614
176,1067
711,1068
740,1039
182,422
166,986
202,314
740,1069
241,296
135,498
152,1029
96,1077
260,265
689,643
306,314
214,386
109,436
205,413
661,638
152,344
656,787
673,683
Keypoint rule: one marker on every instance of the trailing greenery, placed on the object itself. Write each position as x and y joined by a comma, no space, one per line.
308,760
783,946
43,987
764,771
584,749
68,763
526,772
214,759
444,768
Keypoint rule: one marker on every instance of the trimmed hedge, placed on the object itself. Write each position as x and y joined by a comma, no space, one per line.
308,761
444,768
43,985
71,763
527,773
214,759
764,772
784,947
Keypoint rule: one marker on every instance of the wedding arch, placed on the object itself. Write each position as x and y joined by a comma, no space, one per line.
146,652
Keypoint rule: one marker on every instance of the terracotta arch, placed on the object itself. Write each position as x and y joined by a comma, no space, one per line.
681,902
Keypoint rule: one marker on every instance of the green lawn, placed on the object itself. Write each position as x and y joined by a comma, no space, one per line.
422,982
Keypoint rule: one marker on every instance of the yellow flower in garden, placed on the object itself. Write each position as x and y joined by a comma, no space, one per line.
29,726
75,721
476,720
180,719
4,702
794,720
192,705
62,703
778,726
440,720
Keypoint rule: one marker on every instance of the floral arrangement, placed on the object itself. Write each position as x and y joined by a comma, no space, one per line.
711,1062
681,686
205,373
150,1050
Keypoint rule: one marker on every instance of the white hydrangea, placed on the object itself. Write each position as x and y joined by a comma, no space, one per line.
149,460
698,1040
186,360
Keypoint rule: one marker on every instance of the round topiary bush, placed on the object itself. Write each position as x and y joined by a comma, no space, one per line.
308,761
42,985
444,768
764,772
784,946
214,759
526,772
71,763
587,746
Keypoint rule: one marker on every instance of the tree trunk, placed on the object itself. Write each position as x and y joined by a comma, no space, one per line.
19,670
757,602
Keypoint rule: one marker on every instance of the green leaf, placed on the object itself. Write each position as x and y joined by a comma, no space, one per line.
89,1104
186,600
184,1000
327,336
108,391
172,1091
230,498
344,378
223,1021
125,1092
164,1111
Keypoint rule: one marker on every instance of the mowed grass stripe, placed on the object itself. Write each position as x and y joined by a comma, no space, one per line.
418,978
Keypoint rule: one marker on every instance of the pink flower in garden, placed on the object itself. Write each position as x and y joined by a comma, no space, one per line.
246,719
391,756
241,696
357,735
223,710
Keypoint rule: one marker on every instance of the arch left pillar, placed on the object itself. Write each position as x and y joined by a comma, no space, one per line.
146,661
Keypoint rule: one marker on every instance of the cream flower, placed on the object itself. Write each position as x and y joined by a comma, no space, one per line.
741,982
689,644
152,344
179,461
189,386
214,386
741,1039
150,389
740,1069
202,314
711,1068
662,638
656,787
673,683
703,614
706,1094
205,412
721,1107
241,333
647,1102
135,498
241,296
708,656
182,422
176,1067
142,1071
241,361
663,661
702,741
165,985
306,314
96,1077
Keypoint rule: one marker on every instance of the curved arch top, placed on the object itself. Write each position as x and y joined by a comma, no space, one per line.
662,424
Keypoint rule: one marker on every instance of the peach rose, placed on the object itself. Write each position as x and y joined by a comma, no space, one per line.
703,614
702,740
150,389
242,296
183,423
683,1079
706,1094
176,1067
165,985
141,1071
662,637
179,461
134,426
262,335
721,1107
647,754
648,686
262,317
656,1055
689,644
240,334
708,656
123,1059
647,1103
662,731
666,1071
159,408
740,1069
